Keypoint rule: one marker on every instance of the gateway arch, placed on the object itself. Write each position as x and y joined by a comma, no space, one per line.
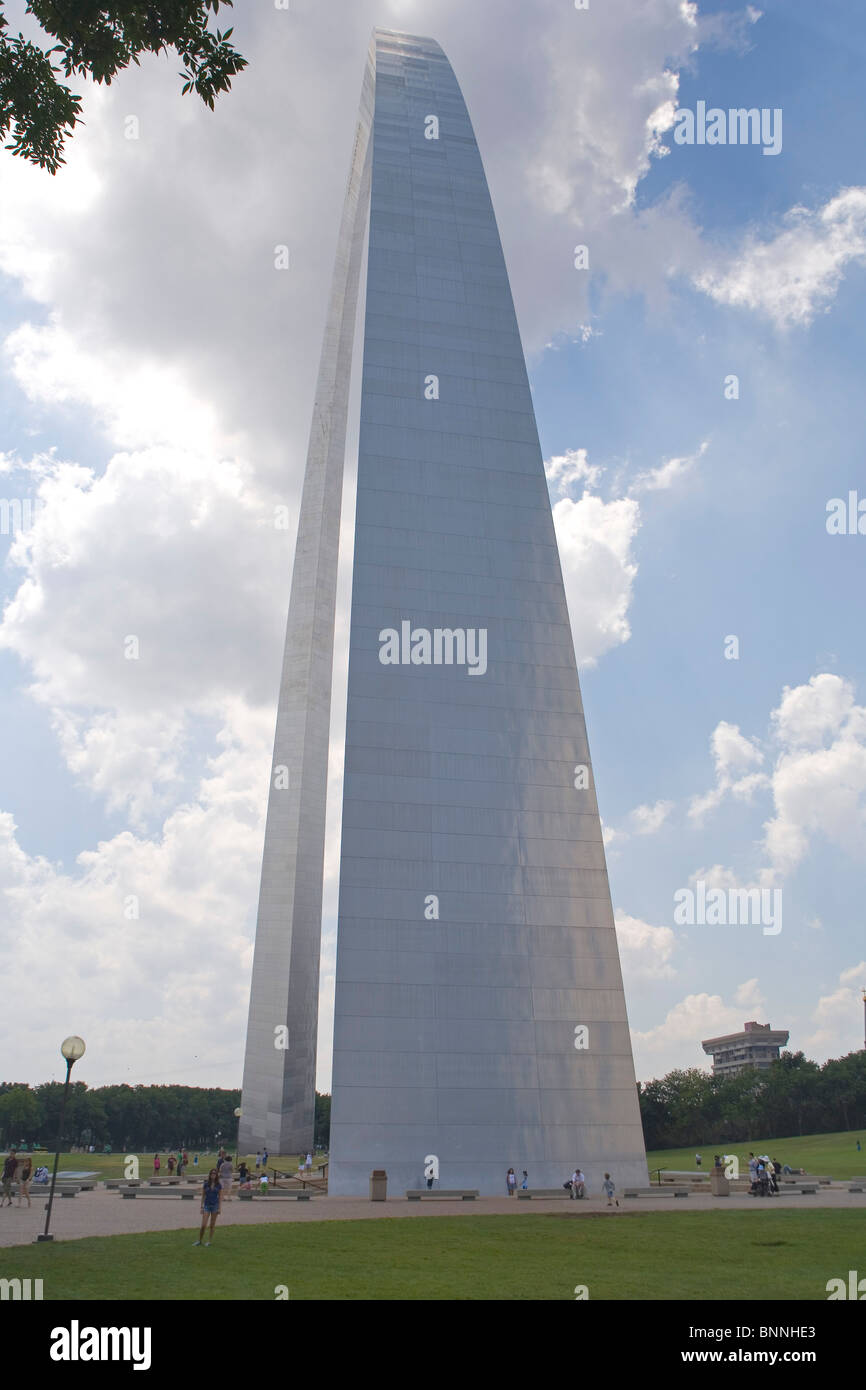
480,1020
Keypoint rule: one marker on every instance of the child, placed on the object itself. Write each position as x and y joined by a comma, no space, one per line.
609,1188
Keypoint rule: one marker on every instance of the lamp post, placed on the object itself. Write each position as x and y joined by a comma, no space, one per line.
71,1048
238,1113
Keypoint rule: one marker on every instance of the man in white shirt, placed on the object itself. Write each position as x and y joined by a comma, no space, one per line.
577,1183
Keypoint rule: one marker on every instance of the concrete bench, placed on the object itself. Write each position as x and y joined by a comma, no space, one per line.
792,1190
526,1194
680,1175
276,1192
159,1196
420,1194
797,1180
656,1192
857,1187
60,1189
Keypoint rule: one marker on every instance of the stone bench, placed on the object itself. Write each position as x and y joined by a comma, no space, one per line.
159,1196
792,1190
43,1189
420,1194
295,1196
527,1193
667,1191
788,1178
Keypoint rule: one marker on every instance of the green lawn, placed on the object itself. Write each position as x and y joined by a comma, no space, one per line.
658,1255
111,1165
826,1155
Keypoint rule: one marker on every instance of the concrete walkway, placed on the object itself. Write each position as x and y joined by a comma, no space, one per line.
104,1213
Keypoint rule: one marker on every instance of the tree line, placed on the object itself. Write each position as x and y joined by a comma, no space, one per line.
793,1096
128,1119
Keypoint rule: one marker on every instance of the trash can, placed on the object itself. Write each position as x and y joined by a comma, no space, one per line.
378,1185
719,1185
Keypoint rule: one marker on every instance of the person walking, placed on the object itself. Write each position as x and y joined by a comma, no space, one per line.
156,1165
608,1187
525,1184
698,1160
258,1161
309,1163
9,1176
25,1169
226,1175
211,1205
264,1159
171,1163
510,1182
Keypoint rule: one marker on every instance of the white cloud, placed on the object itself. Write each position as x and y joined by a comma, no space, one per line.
564,470
733,755
808,713
138,403
838,1017
645,951
676,1042
794,275
646,820
668,473
819,780
164,994
595,540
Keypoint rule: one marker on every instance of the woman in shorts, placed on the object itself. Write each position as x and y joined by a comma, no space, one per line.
211,1202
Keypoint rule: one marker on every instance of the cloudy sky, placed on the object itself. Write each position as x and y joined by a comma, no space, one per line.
699,398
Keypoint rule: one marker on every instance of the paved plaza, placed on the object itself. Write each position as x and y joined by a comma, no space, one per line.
106,1213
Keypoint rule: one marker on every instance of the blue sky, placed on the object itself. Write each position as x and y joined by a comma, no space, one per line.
147,338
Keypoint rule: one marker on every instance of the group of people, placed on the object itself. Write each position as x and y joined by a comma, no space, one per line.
764,1173
575,1186
174,1162
17,1168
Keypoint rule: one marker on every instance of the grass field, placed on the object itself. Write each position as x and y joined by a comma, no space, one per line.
111,1165
826,1155
658,1255
830,1155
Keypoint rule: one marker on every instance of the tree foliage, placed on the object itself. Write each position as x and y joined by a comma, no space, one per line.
130,1119
793,1096
99,40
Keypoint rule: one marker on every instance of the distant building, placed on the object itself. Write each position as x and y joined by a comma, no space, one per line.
757,1046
